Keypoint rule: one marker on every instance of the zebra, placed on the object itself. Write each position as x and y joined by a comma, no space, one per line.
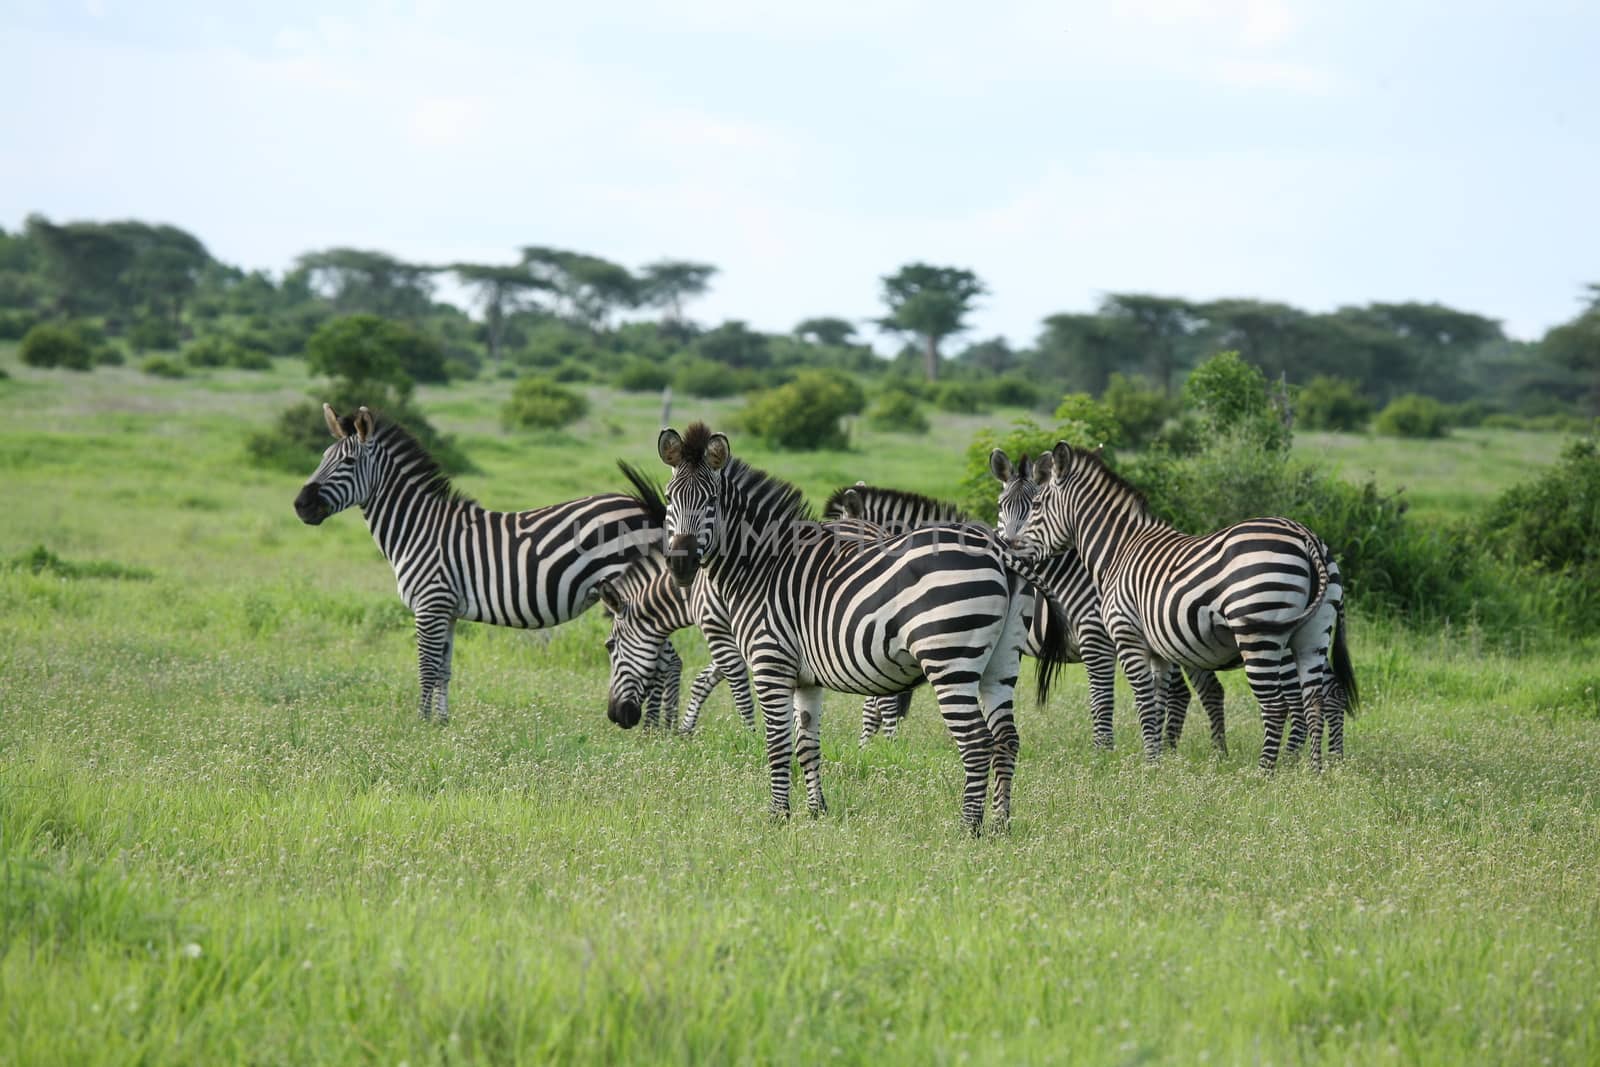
454,559
1264,591
647,605
813,607
896,511
1074,589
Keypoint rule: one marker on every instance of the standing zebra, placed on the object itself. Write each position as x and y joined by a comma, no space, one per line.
647,606
1072,586
1265,591
893,511
812,608
453,559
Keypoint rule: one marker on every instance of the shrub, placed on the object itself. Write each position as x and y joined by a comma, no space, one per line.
152,332
571,371
212,350
1413,416
51,344
1501,420
1467,413
960,397
1230,395
298,438
642,376
897,412
537,403
248,359
1553,521
162,367
703,378
1139,408
979,490
1332,404
14,325
1013,391
805,413
361,349
552,343
1084,421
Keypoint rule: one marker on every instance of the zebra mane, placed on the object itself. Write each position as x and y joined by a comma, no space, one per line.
770,497
646,492
926,506
1097,462
409,456
695,440
630,584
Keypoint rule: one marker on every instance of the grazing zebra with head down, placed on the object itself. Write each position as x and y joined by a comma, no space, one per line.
647,606
1265,591
453,559
814,608
1073,587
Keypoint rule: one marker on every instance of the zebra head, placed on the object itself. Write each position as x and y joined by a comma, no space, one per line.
633,649
1047,530
1019,485
697,460
344,477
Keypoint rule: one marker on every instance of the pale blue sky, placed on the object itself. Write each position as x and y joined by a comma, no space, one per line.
1318,154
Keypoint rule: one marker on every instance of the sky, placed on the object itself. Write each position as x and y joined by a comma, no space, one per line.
1315,154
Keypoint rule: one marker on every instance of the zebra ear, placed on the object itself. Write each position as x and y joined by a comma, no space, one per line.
718,451
332,419
1063,458
1044,468
364,424
850,503
669,446
1000,465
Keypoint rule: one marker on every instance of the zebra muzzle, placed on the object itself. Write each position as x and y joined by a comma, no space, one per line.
625,713
683,558
309,506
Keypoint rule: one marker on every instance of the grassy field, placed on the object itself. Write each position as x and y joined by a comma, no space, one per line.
225,837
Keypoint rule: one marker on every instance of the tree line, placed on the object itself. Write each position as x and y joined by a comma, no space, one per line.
156,287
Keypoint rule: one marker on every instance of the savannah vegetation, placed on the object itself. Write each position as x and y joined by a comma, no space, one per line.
225,836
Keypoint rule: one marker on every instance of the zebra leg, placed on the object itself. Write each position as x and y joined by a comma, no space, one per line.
652,699
671,685
1334,706
699,690
1268,669
958,706
998,697
433,648
448,656
1100,661
1175,699
898,708
871,719
730,665
1136,665
1209,689
808,727
777,696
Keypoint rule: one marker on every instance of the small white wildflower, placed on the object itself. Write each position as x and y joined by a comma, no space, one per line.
191,950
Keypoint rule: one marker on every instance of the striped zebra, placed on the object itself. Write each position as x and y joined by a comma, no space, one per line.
1264,591
893,511
647,606
813,607
1074,589
454,559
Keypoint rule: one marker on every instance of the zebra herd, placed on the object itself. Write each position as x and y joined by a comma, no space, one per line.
886,591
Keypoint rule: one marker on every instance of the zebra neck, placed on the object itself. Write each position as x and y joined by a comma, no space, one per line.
405,511
1101,517
757,530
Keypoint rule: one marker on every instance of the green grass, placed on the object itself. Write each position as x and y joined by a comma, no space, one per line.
225,837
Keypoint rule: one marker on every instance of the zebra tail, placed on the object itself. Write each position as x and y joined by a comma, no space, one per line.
1055,650
646,492
1344,672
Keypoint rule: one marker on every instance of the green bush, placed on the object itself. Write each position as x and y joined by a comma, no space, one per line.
572,371
14,325
979,491
642,376
1230,395
299,436
961,398
804,414
1139,408
152,333
1553,521
1413,416
897,412
703,378
162,367
1332,404
1084,421
58,344
1013,391
1501,420
537,403
1467,413
359,349
550,344
212,350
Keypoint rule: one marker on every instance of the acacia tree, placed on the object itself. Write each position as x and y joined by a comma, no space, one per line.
931,303
667,283
502,291
359,280
1085,350
826,330
1576,345
589,287
1159,327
